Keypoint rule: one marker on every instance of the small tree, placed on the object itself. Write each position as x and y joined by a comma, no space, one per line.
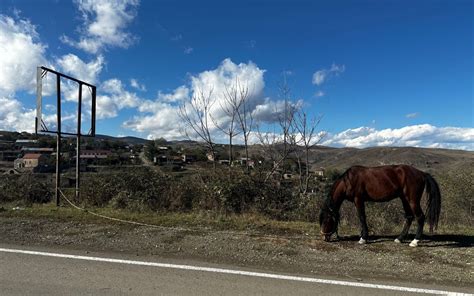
230,106
278,145
196,116
308,137
244,117
150,150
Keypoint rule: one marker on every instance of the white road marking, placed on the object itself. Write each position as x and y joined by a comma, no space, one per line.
236,272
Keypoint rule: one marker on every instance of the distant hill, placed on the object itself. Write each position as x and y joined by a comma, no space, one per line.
423,158
128,139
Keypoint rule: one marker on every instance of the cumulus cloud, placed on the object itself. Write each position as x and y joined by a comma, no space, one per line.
114,98
178,95
104,23
72,65
188,50
320,76
424,135
162,121
13,116
21,52
215,82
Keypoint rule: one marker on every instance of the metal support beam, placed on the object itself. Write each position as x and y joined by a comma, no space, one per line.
78,144
58,139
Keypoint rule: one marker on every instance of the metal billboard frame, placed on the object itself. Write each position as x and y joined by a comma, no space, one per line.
41,128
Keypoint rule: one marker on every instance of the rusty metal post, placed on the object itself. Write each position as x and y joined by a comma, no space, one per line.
78,144
58,139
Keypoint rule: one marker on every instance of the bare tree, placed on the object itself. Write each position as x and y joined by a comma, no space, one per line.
278,145
244,115
308,137
196,116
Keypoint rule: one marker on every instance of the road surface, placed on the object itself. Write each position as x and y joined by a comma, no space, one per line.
41,271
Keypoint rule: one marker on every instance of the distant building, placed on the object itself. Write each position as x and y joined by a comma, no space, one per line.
30,161
319,172
188,158
26,143
160,159
37,150
95,154
246,161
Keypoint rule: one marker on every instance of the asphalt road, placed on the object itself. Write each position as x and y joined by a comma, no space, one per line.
42,274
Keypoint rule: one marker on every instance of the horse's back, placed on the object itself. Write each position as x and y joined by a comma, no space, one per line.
383,183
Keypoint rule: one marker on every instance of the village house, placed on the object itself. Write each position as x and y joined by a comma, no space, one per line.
30,161
187,158
319,172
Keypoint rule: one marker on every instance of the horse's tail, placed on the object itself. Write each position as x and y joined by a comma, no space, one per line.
434,201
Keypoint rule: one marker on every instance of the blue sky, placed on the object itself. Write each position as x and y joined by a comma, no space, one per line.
396,73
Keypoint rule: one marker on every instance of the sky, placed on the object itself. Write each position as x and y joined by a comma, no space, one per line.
381,73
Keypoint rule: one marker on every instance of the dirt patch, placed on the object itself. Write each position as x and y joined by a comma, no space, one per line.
443,259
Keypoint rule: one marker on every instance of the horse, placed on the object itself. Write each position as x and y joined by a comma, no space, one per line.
381,184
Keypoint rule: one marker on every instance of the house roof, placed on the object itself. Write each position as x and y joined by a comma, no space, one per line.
31,156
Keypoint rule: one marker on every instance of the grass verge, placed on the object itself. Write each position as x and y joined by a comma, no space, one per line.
252,223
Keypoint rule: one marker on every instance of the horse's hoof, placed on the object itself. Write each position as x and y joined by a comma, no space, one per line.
414,243
362,241
397,241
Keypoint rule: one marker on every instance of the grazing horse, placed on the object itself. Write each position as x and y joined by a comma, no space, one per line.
380,184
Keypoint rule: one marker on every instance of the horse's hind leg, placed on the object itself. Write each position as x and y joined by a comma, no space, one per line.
408,221
420,218
364,233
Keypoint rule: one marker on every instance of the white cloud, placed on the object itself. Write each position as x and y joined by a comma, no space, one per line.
104,23
135,84
162,118
320,76
178,95
114,98
72,65
424,135
21,52
188,50
13,116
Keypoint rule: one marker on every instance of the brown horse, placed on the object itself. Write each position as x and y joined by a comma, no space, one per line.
380,184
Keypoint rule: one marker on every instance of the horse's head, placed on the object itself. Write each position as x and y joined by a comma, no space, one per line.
328,222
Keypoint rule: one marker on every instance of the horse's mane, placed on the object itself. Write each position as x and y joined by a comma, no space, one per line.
329,206
342,178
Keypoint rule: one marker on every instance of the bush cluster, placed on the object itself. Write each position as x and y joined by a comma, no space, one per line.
222,193
26,189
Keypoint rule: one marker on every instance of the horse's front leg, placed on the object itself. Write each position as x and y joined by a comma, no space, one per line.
364,230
